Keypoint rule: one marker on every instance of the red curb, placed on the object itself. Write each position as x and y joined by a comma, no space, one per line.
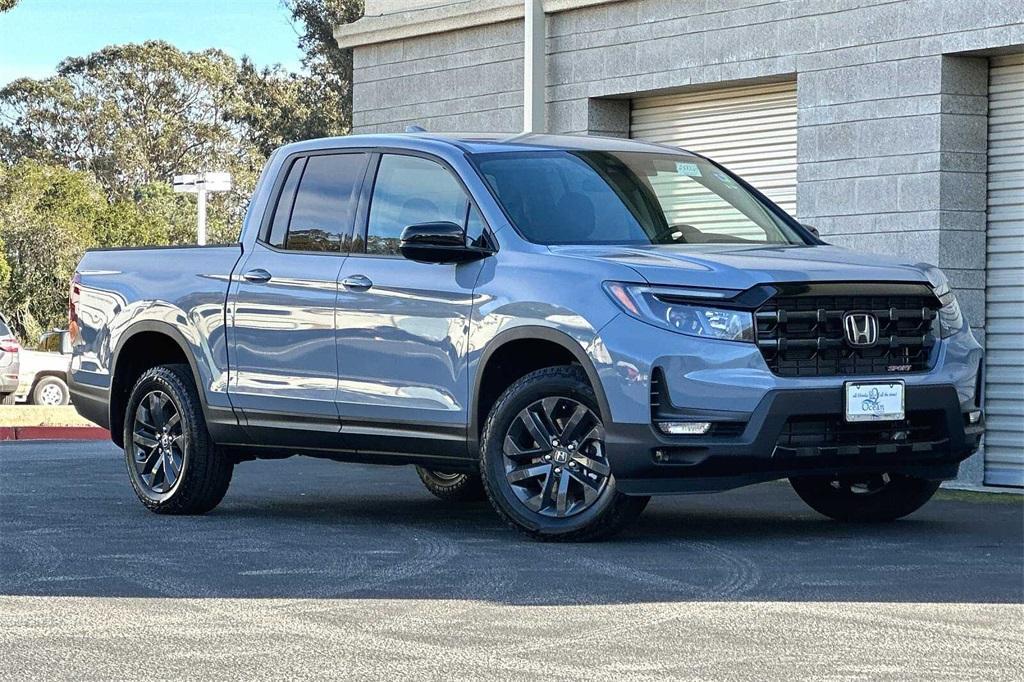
53,433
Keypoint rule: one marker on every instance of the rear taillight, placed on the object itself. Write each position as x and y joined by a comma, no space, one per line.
10,345
74,294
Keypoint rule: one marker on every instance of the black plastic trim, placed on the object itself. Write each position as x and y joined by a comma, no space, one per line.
705,464
539,333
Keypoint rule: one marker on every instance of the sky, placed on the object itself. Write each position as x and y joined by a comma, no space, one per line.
37,34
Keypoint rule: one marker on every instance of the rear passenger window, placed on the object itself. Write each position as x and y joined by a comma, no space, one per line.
319,215
410,190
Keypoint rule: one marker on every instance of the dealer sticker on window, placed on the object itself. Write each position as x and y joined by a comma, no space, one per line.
874,401
691,169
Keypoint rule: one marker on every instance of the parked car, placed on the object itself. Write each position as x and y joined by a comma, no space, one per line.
569,325
42,379
10,362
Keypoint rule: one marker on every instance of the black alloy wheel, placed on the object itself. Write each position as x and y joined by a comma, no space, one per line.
173,464
158,444
544,460
555,458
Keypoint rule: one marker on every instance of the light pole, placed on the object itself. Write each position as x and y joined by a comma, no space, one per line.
199,184
533,67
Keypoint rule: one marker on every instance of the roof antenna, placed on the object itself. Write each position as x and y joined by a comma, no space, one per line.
415,129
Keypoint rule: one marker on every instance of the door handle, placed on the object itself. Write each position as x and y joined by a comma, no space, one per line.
357,282
257,276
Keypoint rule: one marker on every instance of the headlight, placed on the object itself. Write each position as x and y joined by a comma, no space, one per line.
951,318
673,309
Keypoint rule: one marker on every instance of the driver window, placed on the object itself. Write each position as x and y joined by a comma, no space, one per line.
411,190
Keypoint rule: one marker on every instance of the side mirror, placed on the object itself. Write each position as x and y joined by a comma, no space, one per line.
65,343
441,242
812,229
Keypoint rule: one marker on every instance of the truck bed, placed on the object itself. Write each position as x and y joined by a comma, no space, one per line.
180,291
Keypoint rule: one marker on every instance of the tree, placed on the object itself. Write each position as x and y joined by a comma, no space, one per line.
329,66
278,107
5,269
86,155
132,115
46,216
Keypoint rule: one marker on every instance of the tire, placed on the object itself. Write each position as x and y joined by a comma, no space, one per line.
51,391
532,504
865,499
203,469
452,487
7,399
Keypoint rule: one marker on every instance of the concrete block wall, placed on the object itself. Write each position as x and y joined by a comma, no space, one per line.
468,80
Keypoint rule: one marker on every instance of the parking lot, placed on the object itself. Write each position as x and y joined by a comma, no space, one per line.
349,570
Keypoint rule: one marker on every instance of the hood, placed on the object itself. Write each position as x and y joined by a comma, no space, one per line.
741,266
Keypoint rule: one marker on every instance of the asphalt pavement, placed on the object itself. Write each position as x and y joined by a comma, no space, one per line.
317,569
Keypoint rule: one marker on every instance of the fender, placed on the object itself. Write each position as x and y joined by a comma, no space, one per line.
531,332
220,419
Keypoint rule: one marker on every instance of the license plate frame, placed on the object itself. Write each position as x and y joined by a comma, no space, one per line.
887,404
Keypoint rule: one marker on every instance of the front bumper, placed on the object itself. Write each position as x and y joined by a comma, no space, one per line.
761,445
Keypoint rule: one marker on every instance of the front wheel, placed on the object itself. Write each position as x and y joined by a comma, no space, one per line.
544,464
865,497
173,465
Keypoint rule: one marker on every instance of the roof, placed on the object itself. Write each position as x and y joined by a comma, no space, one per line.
483,143
390,20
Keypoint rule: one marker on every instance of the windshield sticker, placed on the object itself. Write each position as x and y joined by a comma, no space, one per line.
725,179
690,169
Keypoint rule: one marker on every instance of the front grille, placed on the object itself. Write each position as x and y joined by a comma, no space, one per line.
830,435
800,329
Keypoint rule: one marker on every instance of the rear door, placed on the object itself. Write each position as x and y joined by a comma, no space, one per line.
284,375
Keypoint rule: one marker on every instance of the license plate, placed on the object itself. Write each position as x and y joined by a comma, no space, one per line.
874,402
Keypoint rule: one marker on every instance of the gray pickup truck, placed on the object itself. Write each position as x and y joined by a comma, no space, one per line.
565,325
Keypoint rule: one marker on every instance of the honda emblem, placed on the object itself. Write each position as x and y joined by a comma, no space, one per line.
861,329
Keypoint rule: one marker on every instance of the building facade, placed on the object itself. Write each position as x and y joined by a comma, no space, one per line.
893,127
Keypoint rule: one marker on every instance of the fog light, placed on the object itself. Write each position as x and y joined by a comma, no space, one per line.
684,428
974,416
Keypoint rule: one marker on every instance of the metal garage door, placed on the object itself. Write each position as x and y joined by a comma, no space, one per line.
1004,326
751,130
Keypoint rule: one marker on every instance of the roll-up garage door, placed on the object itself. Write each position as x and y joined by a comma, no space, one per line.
751,130
1004,293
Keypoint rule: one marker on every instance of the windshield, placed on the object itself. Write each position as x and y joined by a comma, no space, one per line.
588,197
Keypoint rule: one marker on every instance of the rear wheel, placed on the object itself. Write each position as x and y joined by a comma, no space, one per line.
173,465
865,497
452,487
544,464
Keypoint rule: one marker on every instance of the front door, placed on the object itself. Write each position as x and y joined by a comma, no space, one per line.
284,374
403,326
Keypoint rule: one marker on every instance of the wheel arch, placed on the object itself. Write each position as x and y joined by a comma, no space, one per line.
507,341
164,345
43,373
